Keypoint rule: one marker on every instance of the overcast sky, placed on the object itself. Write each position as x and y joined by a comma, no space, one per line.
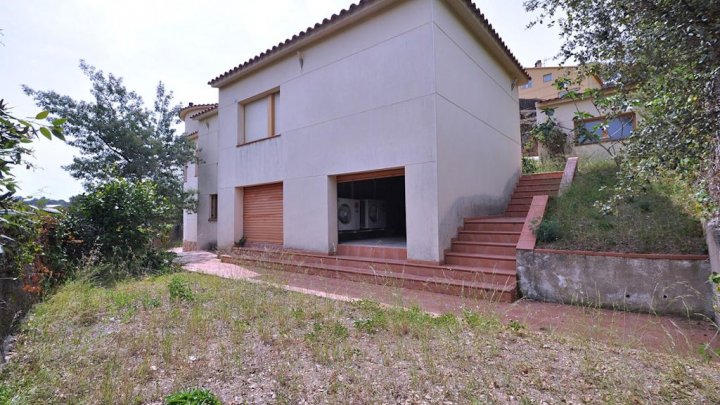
182,43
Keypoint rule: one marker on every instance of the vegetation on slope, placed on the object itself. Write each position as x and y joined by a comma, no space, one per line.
140,341
661,218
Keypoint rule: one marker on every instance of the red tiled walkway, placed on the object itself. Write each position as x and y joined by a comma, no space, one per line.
641,331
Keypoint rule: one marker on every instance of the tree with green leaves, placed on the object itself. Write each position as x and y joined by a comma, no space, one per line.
15,136
119,136
663,59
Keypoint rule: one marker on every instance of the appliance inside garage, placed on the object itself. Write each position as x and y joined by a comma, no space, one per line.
372,211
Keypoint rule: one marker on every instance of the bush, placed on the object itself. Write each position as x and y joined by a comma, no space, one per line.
28,249
180,290
529,165
548,230
115,231
193,396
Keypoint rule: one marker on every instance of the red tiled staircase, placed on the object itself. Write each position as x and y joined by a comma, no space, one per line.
480,262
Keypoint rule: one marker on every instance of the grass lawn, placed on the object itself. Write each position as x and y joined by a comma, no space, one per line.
255,344
660,220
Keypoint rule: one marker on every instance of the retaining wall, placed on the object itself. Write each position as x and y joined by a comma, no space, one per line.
663,284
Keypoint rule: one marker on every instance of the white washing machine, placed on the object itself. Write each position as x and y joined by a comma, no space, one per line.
348,214
373,215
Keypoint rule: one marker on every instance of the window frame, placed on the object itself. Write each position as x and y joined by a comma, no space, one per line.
546,75
213,208
272,102
605,137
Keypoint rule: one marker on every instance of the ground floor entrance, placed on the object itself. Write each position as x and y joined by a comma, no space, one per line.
371,209
263,214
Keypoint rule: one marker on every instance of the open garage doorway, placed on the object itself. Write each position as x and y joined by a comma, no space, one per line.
371,209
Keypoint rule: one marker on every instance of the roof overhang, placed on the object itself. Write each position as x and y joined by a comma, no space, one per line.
205,113
468,13
193,109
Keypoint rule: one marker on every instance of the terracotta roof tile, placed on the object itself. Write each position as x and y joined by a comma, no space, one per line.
192,106
210,107
347,13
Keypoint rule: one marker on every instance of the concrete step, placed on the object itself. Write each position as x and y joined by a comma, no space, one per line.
541,189
488,236
496,224
506,292
531,194
481,260
460,272
543,176
491,248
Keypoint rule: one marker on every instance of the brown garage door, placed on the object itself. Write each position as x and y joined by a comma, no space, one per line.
263,213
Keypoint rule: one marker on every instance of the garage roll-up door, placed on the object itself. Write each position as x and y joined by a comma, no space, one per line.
263,213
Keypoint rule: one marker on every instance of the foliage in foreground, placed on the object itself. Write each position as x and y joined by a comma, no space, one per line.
663,59
116,230
15,136
250,343
662,218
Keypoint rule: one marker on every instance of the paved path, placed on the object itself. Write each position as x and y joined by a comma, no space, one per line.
651,332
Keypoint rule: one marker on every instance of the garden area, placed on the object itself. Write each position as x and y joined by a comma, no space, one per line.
140,341
660,217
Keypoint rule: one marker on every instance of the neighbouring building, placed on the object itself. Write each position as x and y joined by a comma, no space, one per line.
388,123
610,129
541,87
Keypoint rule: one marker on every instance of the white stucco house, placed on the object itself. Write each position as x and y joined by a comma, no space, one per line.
389,123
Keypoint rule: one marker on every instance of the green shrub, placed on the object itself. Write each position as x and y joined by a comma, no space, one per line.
180,290
115,230
548,230
6,395
192,396
529,165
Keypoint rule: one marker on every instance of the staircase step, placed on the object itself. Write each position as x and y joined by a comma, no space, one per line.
491,248
507,224
505,292
488,236
480,260
531,194
492,220
518,214
374,264
537,189
548,175
539,182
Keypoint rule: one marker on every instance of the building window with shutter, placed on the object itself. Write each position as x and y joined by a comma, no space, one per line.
213,207
260,118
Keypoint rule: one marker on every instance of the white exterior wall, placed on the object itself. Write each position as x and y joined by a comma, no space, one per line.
190,219
478,127
196,226
409,87
363,100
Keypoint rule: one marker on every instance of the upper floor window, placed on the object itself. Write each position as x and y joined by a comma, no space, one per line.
527,85
547,78
260,117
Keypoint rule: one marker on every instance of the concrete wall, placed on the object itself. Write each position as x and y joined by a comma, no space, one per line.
712,234
478,127
409,87
197,227
14,303
665,286
362,100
